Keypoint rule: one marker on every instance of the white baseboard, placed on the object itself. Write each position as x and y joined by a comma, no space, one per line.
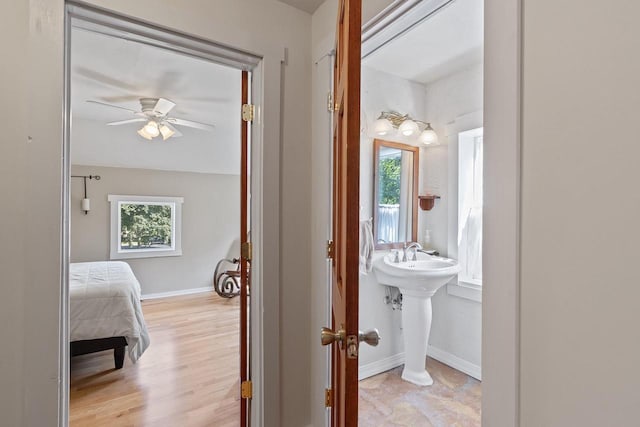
455,362
176,293
383,365
379,366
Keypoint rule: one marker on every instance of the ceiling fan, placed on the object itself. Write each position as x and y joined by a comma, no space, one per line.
155,112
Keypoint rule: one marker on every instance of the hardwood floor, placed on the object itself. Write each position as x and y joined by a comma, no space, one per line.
189,375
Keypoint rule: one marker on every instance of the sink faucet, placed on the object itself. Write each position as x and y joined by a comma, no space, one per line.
412,245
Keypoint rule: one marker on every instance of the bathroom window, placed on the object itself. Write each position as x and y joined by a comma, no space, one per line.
145,226
470,206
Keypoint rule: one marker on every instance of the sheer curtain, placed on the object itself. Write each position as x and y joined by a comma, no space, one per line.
470,209
405,214
388,223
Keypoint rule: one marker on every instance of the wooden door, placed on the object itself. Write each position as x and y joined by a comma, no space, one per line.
245,257
346,201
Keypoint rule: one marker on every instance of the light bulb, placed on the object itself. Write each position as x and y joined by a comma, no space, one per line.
429,136
408,128
166,132
144,134
382,127
151,129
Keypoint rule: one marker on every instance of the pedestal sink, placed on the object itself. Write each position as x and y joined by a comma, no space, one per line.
417,280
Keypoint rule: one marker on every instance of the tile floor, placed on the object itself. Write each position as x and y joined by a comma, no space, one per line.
452,401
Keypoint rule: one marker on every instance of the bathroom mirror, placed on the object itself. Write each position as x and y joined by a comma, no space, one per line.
395,198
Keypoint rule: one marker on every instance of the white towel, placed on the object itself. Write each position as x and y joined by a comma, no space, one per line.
366,245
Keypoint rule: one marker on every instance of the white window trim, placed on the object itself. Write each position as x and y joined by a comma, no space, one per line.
117,200
465,290
460,288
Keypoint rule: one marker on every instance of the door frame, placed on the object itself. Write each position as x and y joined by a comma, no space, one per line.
502,113
263,225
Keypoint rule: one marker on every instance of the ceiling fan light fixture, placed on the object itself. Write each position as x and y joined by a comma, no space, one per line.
154,113
144,134
166,132
151,129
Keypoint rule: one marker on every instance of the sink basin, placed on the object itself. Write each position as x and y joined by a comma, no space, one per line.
425,275
417,280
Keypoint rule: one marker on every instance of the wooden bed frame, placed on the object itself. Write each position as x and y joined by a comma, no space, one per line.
118,344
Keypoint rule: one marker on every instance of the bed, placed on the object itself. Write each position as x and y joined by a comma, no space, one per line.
105,311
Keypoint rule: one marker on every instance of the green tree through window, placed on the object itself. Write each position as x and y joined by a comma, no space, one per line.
145,225
390,180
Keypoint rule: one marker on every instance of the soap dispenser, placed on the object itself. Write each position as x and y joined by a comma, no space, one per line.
427,239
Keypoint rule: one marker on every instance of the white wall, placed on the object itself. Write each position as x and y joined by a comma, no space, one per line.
501,213
34,33
448,100
580,340
457,322
381,92
210,223
13,161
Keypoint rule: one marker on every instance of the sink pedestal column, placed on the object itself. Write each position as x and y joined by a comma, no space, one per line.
416,325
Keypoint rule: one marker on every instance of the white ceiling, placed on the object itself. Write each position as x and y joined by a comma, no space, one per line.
448,41
119,72
306,5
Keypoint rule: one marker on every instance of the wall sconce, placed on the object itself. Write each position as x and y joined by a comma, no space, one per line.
86,202
406,125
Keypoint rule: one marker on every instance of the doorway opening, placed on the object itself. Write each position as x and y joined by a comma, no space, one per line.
421,169
158,222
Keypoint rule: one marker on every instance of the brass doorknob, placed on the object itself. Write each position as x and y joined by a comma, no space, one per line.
327,336
371,337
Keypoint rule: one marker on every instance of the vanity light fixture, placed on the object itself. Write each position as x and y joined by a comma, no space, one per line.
428,135
409,128
382,127
406,125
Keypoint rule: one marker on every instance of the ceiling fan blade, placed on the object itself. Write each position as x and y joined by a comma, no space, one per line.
191,124
112,106
163,106
124,122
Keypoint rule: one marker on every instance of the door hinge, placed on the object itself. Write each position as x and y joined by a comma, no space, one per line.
330,249
246,250
246,390
248,112
328,398
330,102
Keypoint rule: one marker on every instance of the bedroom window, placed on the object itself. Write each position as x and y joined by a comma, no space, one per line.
145,226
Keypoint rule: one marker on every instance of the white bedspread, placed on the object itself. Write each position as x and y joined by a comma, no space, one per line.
105,302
